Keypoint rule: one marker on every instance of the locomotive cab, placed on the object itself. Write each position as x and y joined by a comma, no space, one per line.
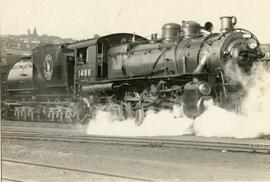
85,56
91,57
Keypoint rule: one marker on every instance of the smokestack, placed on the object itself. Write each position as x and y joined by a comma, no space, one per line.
227,23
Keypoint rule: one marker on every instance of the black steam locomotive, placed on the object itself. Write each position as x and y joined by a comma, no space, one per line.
129,74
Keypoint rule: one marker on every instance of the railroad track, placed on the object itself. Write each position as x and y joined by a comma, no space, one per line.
11,179
184,142
56,167
6,123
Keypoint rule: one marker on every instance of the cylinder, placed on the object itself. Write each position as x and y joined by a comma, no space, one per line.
193,100
171,31
227,23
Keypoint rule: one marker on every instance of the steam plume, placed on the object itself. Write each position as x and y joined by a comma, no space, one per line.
254,122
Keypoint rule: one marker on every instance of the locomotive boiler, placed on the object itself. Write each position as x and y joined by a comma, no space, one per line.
128,74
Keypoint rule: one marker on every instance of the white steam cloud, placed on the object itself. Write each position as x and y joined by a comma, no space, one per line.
155,124
216,121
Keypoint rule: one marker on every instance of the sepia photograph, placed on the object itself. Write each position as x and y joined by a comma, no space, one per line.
134,90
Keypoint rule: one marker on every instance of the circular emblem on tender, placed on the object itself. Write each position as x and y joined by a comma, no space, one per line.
48,67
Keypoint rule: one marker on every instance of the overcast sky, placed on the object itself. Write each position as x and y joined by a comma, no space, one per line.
83,18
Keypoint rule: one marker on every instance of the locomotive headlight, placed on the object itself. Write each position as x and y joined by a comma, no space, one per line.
204,88
252,43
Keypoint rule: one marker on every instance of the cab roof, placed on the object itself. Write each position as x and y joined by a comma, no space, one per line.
111,39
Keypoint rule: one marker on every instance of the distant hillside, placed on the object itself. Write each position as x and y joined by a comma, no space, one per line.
23,44
15,47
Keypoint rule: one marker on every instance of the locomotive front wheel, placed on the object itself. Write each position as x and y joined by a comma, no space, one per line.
133,112
139,116
84,111
83,116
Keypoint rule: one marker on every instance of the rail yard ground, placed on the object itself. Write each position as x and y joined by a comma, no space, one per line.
150,163
26,159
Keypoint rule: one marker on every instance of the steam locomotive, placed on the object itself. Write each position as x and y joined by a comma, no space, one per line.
128,74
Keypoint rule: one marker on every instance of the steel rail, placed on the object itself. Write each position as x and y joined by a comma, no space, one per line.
75,170
11,179
37,124
138,141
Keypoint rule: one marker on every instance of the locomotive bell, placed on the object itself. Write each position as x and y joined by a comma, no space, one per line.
191,29
171,31
227,23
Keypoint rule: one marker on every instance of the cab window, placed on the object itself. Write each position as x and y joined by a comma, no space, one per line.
81,56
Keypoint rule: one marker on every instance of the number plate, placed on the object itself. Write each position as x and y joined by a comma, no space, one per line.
84,72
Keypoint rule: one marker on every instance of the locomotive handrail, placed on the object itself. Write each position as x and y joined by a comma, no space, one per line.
241,30
159,57
175,52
